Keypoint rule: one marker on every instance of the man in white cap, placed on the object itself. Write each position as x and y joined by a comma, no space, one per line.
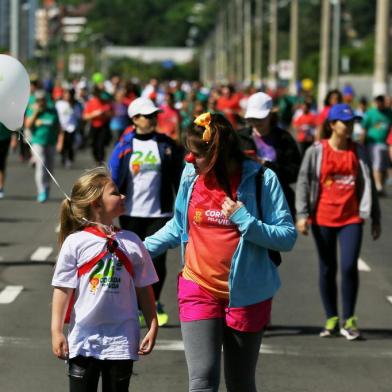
146,166
270,145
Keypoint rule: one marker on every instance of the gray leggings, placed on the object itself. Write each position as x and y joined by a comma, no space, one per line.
203,341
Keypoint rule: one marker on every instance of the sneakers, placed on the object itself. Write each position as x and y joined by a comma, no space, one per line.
163,317
331,328
350,330
42,197
142,321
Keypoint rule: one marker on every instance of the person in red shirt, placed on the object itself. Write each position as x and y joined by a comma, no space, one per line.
304,125
335,193
333,97
169,119
229,104
98,112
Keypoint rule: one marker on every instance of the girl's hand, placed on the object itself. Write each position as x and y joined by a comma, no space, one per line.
303,226
229,207
376,231
148,341
145,296
60,345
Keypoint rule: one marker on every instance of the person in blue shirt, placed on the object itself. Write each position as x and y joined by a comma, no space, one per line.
228,278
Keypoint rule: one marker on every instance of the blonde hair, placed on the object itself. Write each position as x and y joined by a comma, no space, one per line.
75,211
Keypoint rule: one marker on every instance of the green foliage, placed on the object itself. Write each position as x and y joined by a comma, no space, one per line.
168,22
132,68
361,59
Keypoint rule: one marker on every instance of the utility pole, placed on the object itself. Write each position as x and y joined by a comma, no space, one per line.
239,34
217,50
336,43
231,41
258,50
203,63
294,46
380,82
224,49
324,52
273,46
15,28
248,42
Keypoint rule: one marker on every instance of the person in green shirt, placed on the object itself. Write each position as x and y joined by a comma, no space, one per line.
7,139
43,122
377,122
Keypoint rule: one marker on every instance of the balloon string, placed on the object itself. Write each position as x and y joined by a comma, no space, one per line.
20,133
109,230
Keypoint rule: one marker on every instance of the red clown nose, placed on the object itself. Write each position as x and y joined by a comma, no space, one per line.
190,158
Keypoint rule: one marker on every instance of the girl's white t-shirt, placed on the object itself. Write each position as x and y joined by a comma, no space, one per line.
104,323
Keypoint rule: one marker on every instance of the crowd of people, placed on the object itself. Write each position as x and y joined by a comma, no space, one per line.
195,167
67,116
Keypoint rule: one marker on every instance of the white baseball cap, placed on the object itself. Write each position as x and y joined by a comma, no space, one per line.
143,106
259,106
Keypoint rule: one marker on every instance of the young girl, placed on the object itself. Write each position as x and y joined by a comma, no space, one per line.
101,275
335,193
224,291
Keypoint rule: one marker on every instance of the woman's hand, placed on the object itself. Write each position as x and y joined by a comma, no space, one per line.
59,345
375,231
303,226
229,207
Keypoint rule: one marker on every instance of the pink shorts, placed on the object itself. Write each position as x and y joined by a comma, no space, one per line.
196,303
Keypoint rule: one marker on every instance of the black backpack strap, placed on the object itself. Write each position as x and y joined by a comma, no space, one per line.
273,254
259,190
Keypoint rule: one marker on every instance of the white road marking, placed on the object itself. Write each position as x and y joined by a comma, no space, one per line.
362,266
389,299
178,345
288,350
9,294
41,254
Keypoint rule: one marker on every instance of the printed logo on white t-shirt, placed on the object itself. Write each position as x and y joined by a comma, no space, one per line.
104,275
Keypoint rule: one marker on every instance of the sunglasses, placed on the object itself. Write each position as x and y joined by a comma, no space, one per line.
150,116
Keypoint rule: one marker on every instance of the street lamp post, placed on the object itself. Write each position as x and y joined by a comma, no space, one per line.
294,46
336,43
324,52
273,46
15,28
381,48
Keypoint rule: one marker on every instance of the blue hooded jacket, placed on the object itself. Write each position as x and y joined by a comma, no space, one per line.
171,166
253,276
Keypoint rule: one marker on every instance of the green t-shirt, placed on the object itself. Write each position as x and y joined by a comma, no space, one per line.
5,133
49,103
45,129
377,124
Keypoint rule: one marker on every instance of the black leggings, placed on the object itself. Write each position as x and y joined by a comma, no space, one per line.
144,227
203,341
4,147
100,139
350,239
67,153
84,374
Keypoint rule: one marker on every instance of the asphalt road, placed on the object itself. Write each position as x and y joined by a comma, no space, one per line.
293,358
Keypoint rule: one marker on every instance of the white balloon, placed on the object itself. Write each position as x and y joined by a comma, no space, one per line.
14,92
